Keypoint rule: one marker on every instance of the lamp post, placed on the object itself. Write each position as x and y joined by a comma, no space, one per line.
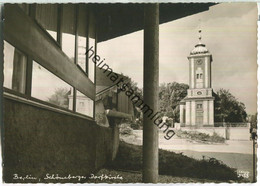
254,137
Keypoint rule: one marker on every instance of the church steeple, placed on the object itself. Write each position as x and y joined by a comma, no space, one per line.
197,109
198,106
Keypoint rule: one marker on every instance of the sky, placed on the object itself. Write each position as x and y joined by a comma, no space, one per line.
229,31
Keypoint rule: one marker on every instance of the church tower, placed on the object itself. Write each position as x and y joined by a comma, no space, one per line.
197,108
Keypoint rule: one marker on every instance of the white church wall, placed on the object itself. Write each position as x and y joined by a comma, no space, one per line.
188,109
230,133
239,133
206,112
193,112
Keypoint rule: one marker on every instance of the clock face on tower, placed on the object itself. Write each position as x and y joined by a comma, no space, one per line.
199,61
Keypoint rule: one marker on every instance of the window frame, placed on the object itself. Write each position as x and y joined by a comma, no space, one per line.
199,106
26,68
28,80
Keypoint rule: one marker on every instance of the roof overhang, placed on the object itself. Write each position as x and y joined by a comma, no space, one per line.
114,20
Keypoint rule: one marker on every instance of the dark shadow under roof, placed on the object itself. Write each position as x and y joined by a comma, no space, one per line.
114,20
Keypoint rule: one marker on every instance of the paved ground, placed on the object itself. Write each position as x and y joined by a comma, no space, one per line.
243,147
236,154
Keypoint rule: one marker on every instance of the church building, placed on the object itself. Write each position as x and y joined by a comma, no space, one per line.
197,108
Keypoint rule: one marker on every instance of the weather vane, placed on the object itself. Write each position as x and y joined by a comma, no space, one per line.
200,31
200,35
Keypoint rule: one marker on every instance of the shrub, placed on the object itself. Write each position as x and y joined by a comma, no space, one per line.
135,126
215,137
125,130
101,118
201,137
129,157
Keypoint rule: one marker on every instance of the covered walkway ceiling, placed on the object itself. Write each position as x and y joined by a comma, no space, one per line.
119,19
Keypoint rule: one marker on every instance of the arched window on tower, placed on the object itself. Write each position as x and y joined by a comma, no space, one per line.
199,78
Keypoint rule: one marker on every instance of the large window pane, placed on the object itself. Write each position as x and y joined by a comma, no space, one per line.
84,105
68,31
14,68
47,17
48,87
82,33
91,64
82,42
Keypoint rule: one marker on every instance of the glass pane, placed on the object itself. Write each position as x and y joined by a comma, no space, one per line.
48,87
68,45
91,64
82,39
68,29
84,105
14,68
47,17
82,42
8,64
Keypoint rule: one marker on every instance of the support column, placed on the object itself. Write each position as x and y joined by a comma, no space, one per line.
206,76
205,112
193,113
192,74
181,113
151,87
211,112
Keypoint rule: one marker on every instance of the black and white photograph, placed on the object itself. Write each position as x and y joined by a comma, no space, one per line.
135,92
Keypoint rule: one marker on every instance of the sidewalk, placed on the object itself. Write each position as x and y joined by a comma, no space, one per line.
236,154
230,146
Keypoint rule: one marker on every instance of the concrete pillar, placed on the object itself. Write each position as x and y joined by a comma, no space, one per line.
115,140
151,89
206,76
193,113
181,113
192,73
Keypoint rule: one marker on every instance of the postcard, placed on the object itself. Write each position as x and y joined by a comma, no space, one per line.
129,92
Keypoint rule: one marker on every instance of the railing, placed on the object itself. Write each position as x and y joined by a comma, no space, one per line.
231,124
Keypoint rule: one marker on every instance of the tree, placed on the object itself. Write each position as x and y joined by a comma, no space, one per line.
170,95
60,97
227,108
138,92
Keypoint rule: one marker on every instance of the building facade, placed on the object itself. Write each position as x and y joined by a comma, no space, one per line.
197,108
45,49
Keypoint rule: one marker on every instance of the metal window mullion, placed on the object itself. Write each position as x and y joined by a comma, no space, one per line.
76,33
28,83
94,104
59,25
87,44
29,65
76,14
32,11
